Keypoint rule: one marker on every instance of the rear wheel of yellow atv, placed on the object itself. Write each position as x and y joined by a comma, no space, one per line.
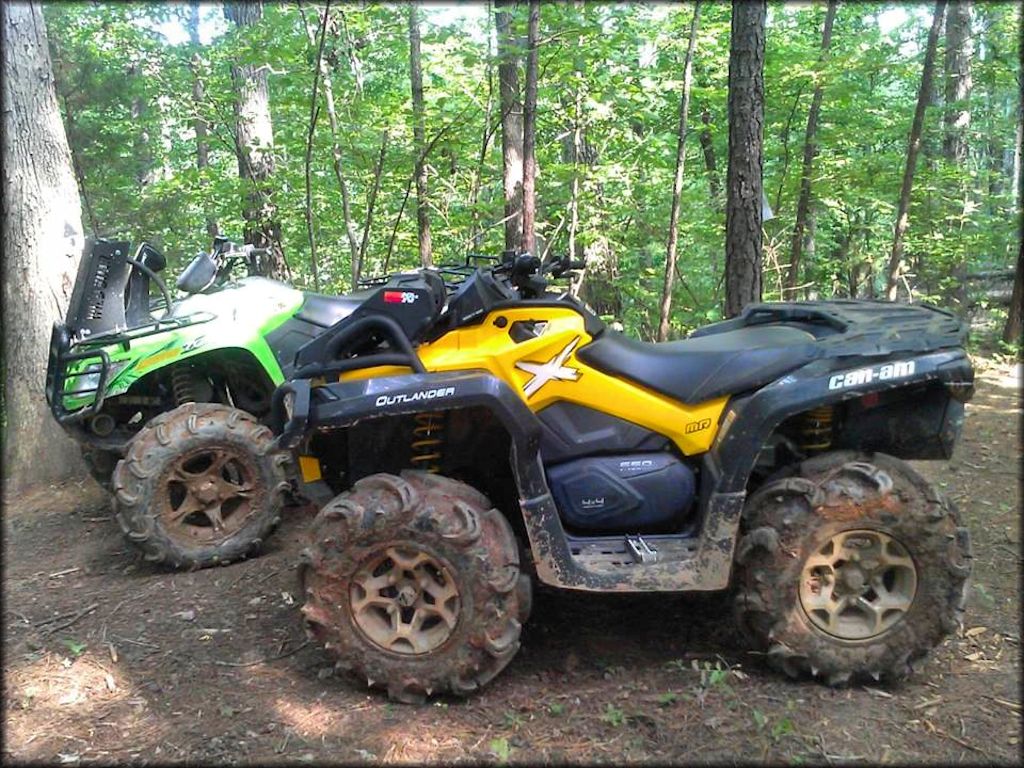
852,566
413,583
198,486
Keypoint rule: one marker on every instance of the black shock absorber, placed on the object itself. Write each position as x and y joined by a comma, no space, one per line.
428,441
815,429
184,384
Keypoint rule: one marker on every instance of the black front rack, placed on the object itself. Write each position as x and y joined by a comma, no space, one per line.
59,359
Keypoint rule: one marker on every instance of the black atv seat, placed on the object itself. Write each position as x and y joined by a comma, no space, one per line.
325,311
699,369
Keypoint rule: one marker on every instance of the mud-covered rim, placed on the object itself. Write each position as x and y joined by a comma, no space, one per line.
209,494
858,585
405,600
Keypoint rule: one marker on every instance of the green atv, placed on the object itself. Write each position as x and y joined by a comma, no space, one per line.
167,397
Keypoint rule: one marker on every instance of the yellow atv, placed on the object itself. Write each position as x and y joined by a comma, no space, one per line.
478,433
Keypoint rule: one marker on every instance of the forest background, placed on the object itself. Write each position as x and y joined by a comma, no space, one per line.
149,94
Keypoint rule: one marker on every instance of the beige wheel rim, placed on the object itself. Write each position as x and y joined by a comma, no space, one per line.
859,585
405,601
208,495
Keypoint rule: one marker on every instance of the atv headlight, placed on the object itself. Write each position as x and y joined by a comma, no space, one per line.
89,380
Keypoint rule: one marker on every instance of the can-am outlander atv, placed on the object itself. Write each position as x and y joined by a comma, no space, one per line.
172,393
482,434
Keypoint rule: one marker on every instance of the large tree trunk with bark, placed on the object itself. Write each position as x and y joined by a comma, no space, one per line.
419,138
744,182
199,125
677,184
42,244
511,124
803,206
254,146
529,241
896,266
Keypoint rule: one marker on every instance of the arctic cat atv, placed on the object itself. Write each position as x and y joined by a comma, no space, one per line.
482,434
172,393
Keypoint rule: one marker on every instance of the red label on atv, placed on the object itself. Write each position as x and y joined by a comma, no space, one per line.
399,297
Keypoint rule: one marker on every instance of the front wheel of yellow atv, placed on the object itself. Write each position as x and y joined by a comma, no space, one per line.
853,566
413,584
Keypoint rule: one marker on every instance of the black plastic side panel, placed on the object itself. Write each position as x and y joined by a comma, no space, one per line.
571,430
628,493
288,338
918,424
749,421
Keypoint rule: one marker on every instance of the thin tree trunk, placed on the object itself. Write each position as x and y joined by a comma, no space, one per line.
336,154
314,115
803,207
511,125
42,244
576,151
708,148
198,123
744,183
677,185
254,146
784,135
1013,331
474,191
529,236
896,265
370,204
419,136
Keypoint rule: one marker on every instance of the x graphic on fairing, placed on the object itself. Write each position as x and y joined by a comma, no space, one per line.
554,369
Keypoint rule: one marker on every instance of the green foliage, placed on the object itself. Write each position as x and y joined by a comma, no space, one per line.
125,74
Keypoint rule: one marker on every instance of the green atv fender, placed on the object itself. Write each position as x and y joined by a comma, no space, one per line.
238,317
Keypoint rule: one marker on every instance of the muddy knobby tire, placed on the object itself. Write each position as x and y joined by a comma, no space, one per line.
100,465
792,519
140,483
418,517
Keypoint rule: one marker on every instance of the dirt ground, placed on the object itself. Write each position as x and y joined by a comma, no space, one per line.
108,659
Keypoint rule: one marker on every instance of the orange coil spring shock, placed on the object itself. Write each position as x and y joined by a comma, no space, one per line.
816,429
427,441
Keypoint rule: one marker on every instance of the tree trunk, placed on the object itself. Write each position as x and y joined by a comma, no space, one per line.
314,115
957,117
370,204
744,182
254,146
419,136
336,155
896,265
42,244
1013,331
677,185
959,49
708,148
198,123
529,241
511,125
476,233
810,152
